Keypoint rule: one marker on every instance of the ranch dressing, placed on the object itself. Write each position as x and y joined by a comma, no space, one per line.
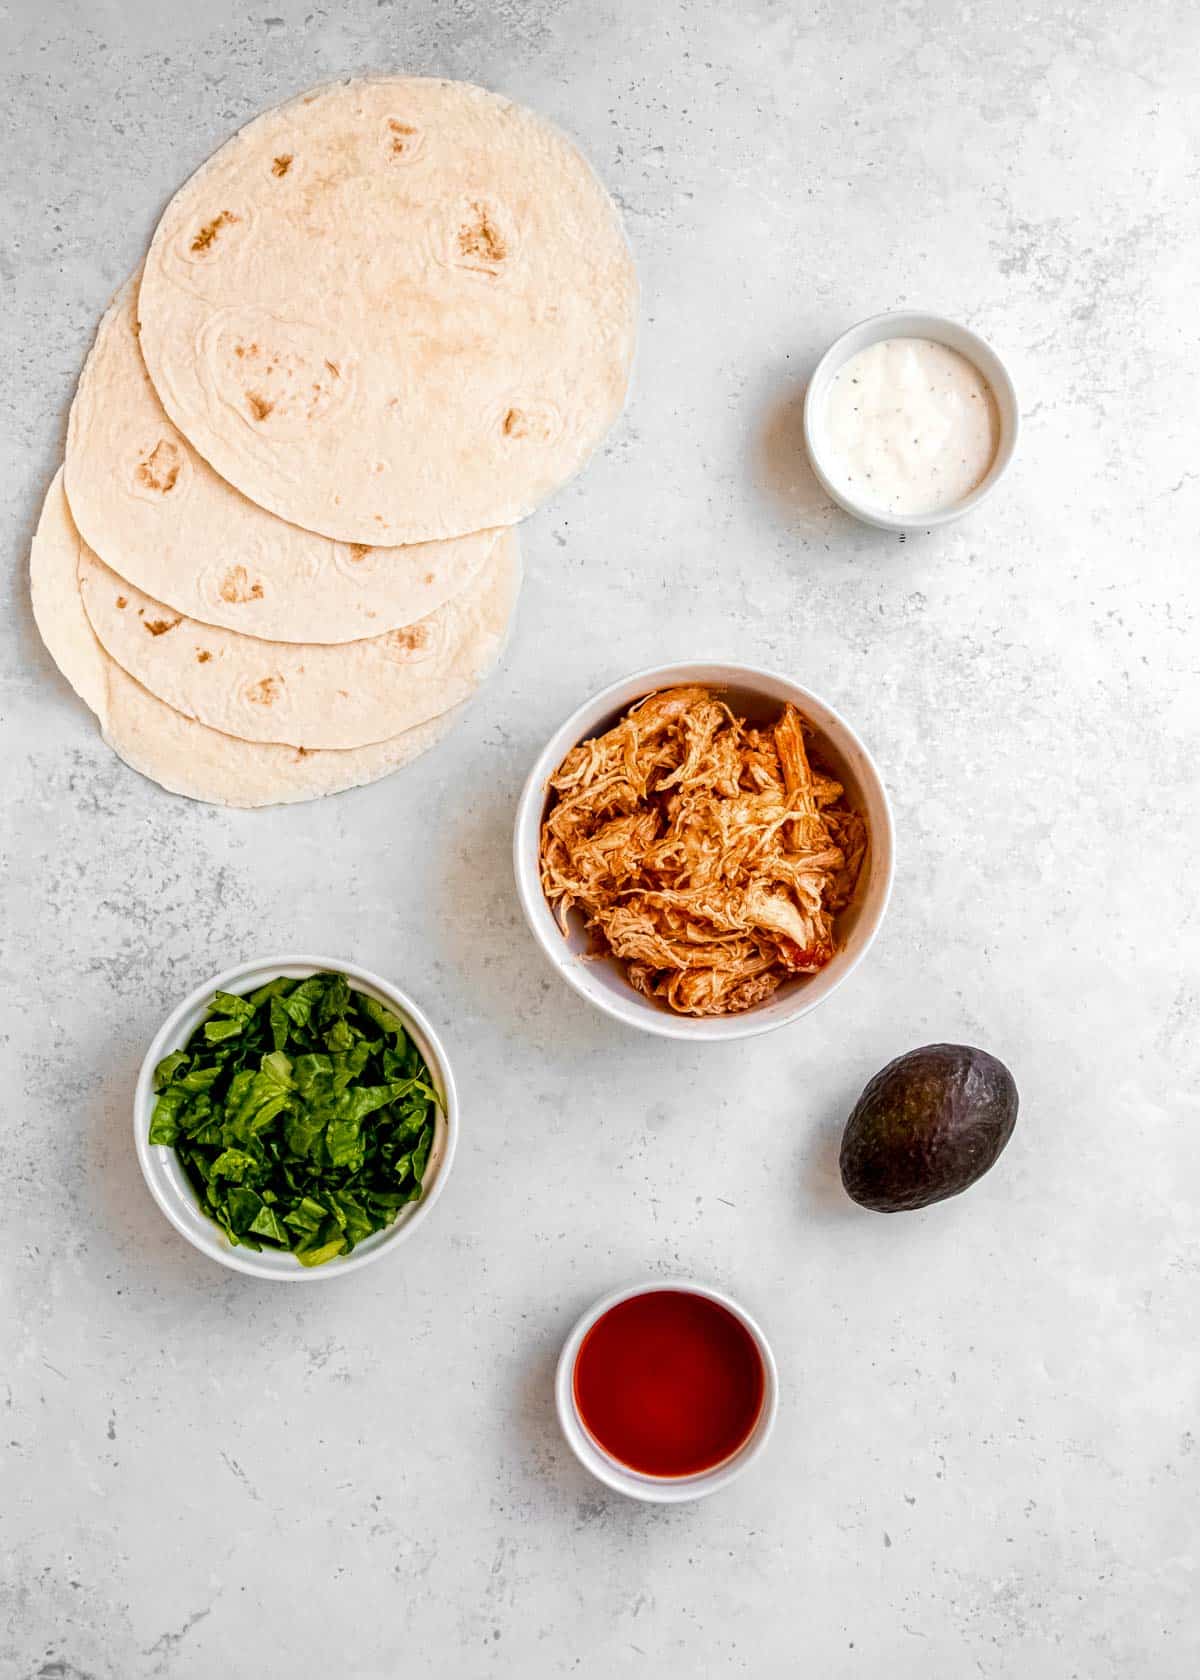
910,427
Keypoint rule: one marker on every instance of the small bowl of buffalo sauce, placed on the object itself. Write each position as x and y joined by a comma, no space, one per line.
666,1391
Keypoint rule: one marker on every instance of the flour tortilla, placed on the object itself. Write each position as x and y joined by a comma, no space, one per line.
148,504
181,755
393,309
305,694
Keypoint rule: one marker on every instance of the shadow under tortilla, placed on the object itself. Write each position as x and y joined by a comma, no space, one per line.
34,649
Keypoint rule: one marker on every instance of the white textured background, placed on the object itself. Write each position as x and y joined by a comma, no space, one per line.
986,1459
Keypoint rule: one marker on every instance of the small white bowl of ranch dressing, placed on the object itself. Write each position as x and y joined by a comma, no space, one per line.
910,420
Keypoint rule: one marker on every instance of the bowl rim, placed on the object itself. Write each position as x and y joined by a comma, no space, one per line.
636,1484
217,1247
924,323
634,1012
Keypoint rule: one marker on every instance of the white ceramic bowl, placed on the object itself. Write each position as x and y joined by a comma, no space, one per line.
758,695
661,1490
910,323
168,1182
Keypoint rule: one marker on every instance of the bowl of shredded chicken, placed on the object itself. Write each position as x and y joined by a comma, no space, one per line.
714,845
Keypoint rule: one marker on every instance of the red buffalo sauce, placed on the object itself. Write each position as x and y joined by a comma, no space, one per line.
669,1383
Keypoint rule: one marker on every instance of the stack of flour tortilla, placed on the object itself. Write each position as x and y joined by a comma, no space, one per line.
371,334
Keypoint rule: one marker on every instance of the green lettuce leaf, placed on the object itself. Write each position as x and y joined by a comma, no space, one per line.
169,1067
302,1115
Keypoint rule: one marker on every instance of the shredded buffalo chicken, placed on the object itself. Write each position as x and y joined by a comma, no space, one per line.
708,856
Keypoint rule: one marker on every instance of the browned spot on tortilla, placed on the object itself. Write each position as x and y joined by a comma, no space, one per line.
537,422
359,551
122,602
203,657
334,369
282,164
237,588
159,470
402,136
210,230
259,406
411,638
266,692
303,752
428,577
480,238
160,626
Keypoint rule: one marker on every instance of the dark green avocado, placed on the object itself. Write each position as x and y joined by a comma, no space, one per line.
926,1127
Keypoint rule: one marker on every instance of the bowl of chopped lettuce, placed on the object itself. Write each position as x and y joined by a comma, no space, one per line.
295,1117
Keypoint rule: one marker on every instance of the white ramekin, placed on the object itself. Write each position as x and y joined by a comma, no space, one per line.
661,1490
168,1183
910,323
601,980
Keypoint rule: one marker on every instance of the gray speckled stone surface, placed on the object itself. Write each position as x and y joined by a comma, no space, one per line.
985,1461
